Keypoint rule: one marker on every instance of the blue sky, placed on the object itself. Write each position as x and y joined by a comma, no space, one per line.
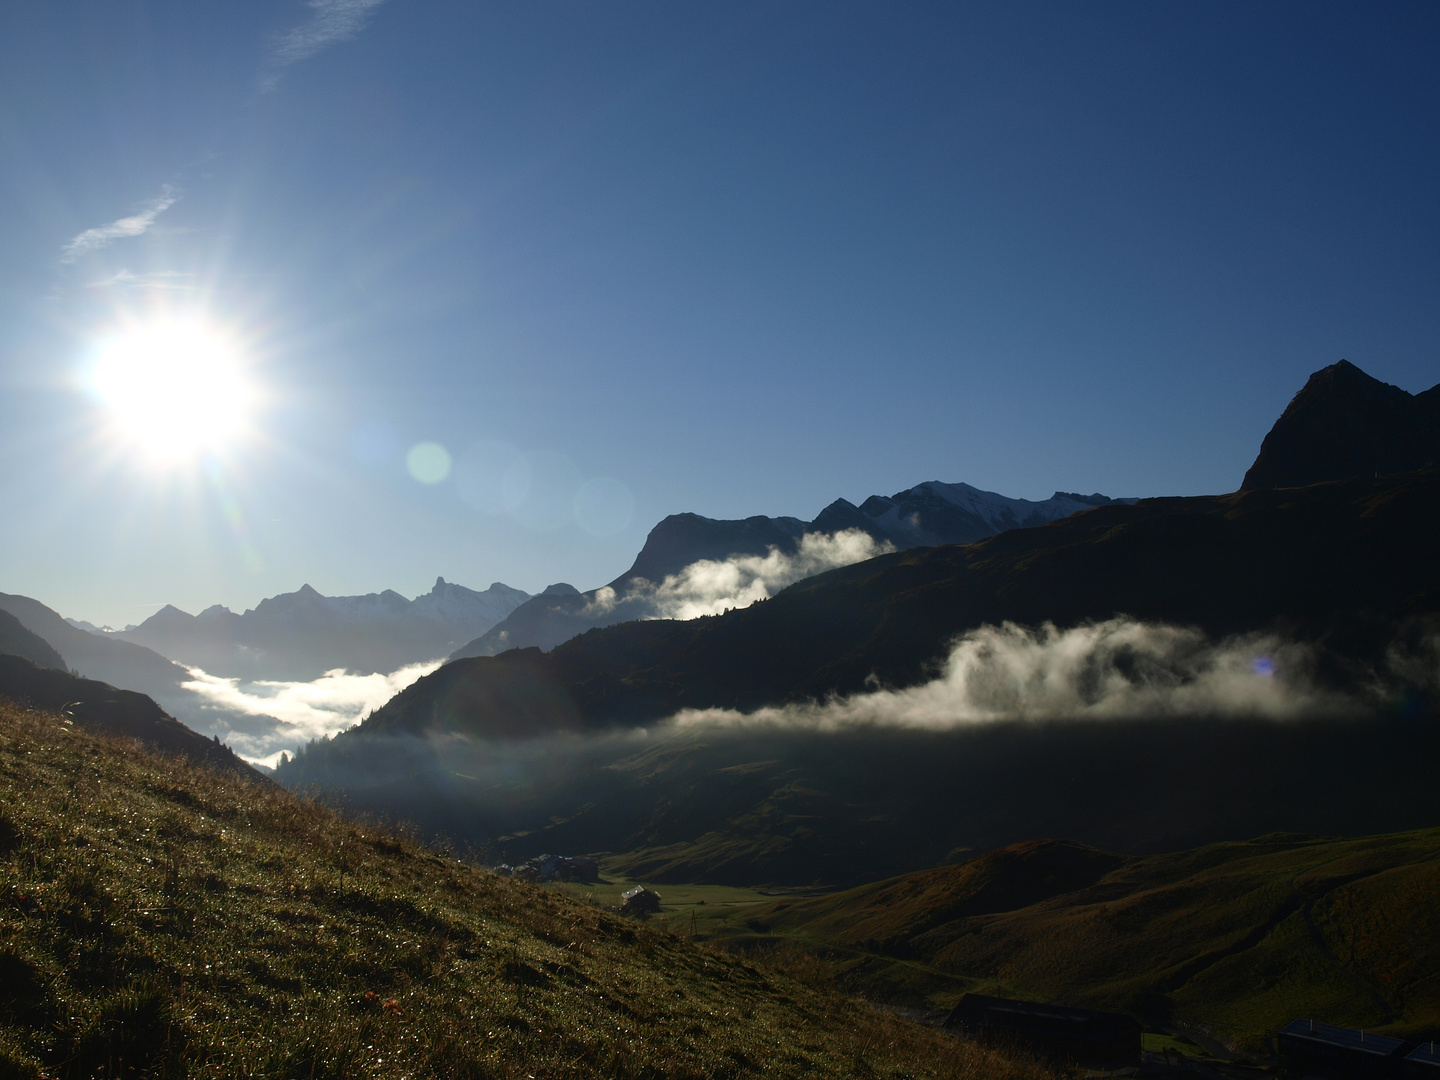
736,258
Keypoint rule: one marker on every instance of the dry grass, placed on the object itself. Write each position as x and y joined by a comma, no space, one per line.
159,919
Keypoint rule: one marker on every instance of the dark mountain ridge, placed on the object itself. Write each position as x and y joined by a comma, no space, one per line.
1344,424
15,640
99,656
924,515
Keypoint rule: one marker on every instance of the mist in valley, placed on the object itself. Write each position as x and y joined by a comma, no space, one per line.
1129,736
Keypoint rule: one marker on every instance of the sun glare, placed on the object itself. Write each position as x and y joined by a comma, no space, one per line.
173,388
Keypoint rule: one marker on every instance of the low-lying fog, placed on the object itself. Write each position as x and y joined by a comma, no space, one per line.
1120,668
289,714
1122,734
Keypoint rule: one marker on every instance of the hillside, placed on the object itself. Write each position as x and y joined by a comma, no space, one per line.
101,656
161,919
1236,938
101,709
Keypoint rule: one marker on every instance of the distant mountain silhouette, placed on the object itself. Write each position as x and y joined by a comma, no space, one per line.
109,659
15,640
100,656
303,634
1344,424
925,515
104,710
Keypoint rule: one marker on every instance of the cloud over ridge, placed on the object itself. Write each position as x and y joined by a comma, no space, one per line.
1117,669
712,586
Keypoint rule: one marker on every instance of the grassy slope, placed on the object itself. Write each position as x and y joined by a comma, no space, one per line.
162,919
1237,937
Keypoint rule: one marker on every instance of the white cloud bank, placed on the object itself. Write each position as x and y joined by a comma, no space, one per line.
1115,669
302,710
712,586
136,224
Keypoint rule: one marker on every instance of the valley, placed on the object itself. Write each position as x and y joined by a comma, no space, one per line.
1234,939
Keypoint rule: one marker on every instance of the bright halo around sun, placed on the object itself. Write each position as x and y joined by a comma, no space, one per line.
174,388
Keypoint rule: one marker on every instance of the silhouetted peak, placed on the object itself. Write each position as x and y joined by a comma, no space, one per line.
169,614
1344,423
561,588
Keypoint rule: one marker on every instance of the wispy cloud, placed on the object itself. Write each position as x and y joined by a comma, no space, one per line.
164,280
333,20
135,225
711,586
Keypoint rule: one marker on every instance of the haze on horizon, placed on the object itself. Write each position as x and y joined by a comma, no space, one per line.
358,293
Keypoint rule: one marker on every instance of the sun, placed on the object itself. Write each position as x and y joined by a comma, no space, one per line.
173,388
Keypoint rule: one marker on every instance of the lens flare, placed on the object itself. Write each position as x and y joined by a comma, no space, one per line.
428,462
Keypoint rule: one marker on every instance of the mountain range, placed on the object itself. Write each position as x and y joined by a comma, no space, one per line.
924,515
301,635
1342,569
1347,565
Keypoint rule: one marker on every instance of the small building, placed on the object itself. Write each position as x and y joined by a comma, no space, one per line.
1308,1048
1081,1035
1422,1063
639,901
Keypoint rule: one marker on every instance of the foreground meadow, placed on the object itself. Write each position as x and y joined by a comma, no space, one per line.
162,919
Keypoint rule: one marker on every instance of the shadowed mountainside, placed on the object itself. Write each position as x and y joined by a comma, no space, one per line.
800,808
15,640
125,664
927,514
97,656
1344,424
